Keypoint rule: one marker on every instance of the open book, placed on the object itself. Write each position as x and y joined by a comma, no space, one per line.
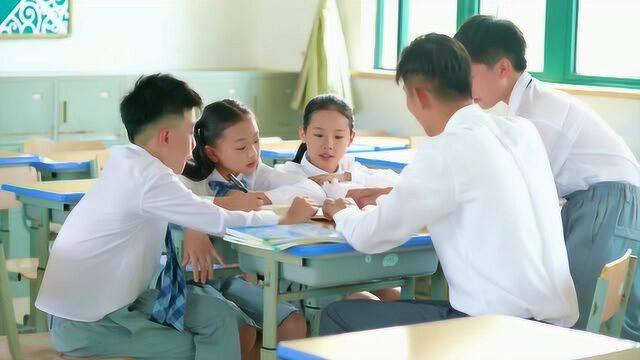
280,237
281,210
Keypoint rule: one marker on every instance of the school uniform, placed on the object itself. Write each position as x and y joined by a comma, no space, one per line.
281,188
96,285
361,176
484,189
598,175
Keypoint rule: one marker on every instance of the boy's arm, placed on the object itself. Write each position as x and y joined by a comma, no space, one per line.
373,177
165,197
425,192
281,187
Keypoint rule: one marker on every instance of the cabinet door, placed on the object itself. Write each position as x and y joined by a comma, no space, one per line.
89,105
26,106
273,95
217,86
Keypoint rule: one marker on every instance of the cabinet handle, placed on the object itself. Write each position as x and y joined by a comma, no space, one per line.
64,112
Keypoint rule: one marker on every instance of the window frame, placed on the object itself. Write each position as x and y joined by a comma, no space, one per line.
559,51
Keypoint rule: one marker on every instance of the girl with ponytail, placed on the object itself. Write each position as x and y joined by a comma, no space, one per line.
326,134
228,143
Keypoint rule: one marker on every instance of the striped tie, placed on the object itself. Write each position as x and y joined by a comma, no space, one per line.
170,304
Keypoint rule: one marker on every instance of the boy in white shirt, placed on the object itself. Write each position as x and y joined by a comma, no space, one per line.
594,170
483,187
96,288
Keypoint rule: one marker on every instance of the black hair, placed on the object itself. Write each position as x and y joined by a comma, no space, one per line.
323,102
489,39
216,118
441,61
154,97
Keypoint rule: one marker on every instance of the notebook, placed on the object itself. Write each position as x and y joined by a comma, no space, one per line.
281,210
281,237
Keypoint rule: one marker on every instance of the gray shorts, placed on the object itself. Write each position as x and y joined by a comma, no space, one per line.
250,299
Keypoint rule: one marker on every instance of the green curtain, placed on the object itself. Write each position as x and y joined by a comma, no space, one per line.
326,65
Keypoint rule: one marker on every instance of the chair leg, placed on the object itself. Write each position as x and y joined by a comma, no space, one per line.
7,310
597,306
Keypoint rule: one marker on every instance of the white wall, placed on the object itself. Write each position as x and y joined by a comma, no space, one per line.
131,36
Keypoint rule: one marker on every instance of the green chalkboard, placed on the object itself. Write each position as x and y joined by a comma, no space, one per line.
35,18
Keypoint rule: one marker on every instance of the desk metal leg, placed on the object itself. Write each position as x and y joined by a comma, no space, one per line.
439,287
39,247
4,292
4,229
408,290
270,315
7,315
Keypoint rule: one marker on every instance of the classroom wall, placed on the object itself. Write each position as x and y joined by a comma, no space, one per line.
237,34
132,36
380,102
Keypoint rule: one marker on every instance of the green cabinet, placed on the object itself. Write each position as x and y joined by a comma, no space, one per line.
219,85
67,108
27,106
272,97
89,105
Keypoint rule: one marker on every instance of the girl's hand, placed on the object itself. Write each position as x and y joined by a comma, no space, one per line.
237,200
340,177
301,211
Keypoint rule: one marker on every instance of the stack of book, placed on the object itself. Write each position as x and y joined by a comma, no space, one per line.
281,237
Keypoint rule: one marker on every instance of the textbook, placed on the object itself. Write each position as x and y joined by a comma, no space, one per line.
281,210
281,237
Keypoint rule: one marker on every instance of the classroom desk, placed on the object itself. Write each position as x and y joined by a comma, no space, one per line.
331,269
394,160
43,203
383,143
327,269
13,166
64,170
485,337
286,150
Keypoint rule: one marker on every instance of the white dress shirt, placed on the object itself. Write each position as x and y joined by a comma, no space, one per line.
281,188
110,245
485,191
583,150
361,176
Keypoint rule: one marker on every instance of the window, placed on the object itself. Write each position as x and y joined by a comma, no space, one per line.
387,40
404,20
607,38
587,42
427,16
529,16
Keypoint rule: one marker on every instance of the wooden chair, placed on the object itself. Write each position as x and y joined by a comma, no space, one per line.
611,296
270,140
38,346
39,147
371,132
415,141
100,161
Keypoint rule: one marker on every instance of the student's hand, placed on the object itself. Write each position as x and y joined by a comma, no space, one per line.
199,251
237,200
264,197
301,211
331,206
364,197
340,177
